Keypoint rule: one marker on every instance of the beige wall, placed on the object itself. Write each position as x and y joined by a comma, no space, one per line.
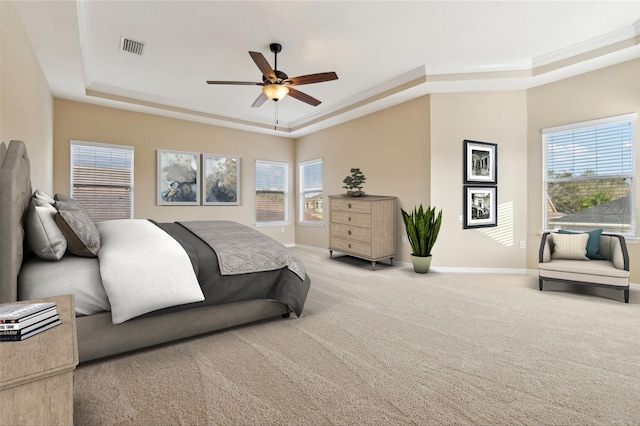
391,147
496,117
148,133
26,103
413,151
611,91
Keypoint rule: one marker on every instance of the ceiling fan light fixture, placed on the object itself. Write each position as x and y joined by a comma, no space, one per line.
275,92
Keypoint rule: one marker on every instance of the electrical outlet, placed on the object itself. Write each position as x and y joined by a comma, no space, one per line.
404,240
523,244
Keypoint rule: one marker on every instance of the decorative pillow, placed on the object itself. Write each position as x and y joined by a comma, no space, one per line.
41,232
43,196
593,245
570,246
83,238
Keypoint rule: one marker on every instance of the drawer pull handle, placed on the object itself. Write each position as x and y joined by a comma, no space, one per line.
349,219
349,245
349,205
349,232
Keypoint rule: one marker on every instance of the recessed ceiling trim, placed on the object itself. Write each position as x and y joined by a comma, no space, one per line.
84,37
587,56
609,39
409,79
165,107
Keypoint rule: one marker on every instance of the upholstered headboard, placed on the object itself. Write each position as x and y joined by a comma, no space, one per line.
15,193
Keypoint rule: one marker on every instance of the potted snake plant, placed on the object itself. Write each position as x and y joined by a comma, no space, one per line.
422,226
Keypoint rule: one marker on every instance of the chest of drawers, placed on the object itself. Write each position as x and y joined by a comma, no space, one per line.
363,227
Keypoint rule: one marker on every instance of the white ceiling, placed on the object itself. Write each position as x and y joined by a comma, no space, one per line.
383,52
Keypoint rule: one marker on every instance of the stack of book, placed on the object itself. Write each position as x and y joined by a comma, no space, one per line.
21,321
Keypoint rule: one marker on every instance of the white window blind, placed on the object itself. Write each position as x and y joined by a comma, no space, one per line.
271,192
310,199
589,176
102,179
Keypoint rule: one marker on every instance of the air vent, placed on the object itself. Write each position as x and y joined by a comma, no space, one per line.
131,46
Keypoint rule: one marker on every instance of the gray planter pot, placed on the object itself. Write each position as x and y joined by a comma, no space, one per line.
421,264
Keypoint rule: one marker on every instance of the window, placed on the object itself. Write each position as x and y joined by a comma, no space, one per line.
310,208
102,179
589,173
271,192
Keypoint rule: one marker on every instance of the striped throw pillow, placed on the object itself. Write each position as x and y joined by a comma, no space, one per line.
570,246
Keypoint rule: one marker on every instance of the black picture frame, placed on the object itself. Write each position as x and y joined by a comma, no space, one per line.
480,206
480,163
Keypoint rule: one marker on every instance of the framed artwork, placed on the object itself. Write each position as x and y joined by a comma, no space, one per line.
480,206
480,162
178,178
220,180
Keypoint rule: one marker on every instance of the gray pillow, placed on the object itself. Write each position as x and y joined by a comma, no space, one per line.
83,238
41,232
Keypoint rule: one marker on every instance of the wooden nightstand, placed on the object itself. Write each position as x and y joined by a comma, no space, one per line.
36,375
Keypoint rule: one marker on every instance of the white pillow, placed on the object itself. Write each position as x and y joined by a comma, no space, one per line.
570,246
41,231
43,196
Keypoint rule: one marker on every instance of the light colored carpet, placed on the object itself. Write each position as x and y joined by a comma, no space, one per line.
391,347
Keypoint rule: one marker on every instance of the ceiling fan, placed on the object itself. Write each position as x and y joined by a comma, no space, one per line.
276,84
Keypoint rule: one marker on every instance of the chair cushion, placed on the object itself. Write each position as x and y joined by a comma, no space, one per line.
595,271
570,246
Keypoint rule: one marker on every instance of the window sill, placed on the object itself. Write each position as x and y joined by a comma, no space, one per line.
261,224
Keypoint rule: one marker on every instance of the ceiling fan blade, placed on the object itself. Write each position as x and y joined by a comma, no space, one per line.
313,78
264,66
241,83
259,100
303,97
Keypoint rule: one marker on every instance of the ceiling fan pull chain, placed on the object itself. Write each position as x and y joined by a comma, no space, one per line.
275,127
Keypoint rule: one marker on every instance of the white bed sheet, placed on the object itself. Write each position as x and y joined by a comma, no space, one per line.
75,275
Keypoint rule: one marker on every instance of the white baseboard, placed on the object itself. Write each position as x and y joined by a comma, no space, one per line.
460,270
313,248
455,270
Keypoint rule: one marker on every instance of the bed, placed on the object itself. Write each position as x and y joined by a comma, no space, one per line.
197,289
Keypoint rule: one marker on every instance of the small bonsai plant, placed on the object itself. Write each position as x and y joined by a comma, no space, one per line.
422,226
354,181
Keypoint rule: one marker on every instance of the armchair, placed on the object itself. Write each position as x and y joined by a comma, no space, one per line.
611,272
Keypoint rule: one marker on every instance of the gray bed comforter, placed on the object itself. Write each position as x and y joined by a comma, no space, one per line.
281,284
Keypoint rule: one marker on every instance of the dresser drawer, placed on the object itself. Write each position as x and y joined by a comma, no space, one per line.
349,218
351,232
358,206
347,246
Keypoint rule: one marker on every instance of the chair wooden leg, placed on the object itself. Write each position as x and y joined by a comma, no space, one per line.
540,283
626,296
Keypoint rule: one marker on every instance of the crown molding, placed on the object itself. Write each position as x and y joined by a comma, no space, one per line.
623,34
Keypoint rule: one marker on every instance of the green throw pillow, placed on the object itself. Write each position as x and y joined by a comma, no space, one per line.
593,245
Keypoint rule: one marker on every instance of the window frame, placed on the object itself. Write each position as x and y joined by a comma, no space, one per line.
302,191
585,125
131,187
285,193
